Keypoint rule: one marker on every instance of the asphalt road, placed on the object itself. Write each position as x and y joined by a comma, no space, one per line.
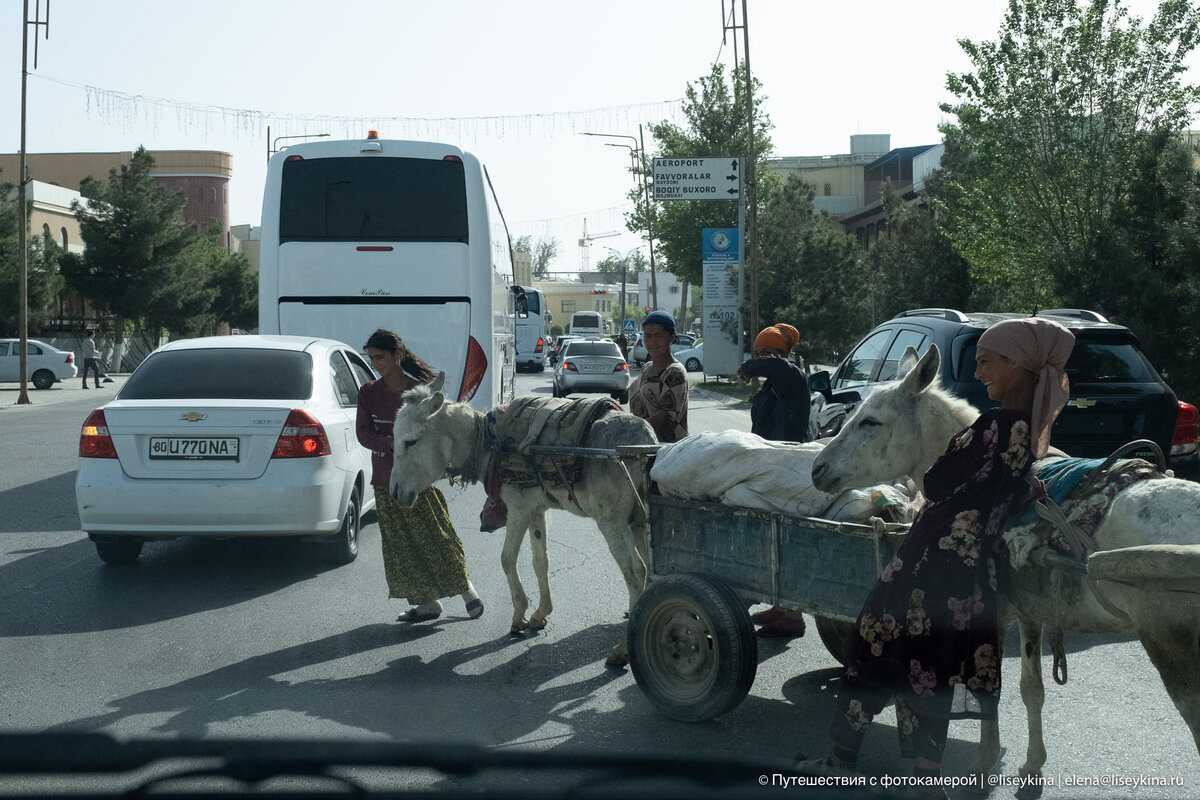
259,638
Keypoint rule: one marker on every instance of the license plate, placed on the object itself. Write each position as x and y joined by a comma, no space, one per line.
594,367
194,448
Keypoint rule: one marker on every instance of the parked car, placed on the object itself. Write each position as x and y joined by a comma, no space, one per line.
692,358
228,436
1116,394
44,365
592,365
556,348
639,356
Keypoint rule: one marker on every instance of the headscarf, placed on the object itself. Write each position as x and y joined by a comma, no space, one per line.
1041,346
779,336
660,318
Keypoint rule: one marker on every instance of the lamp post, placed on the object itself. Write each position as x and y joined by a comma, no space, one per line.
640,154
624,267
273,149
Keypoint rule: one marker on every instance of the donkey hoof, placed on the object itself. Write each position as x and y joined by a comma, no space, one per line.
618,658
537,623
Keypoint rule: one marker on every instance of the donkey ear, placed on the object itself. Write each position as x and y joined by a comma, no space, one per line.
438,382
432,404
924,373
907,361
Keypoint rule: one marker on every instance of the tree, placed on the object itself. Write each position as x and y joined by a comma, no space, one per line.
811,275
1048,127
542,252
43,280
139,262
916,265
715,110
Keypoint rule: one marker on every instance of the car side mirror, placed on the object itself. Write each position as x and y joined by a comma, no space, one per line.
847,397
819,382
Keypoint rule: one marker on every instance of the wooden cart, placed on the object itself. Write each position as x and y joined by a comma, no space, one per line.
692,647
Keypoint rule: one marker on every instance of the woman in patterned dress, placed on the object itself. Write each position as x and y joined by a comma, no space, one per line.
659,395
423,558
928,633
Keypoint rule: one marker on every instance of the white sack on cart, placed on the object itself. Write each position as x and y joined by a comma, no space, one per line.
745,470
741,469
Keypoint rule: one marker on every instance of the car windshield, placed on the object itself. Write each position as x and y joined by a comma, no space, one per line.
243,374
593,349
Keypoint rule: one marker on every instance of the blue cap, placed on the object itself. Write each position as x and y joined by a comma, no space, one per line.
660,318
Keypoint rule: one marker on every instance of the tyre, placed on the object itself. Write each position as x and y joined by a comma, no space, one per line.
344,547
118,550
43,379
623,397
554,390
693,364
834,634
691,647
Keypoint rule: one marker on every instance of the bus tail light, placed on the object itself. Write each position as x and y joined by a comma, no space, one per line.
302,437
541,345
473,375
94,441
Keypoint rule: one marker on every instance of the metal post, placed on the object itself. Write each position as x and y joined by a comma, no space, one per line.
751,181
23,229
649,223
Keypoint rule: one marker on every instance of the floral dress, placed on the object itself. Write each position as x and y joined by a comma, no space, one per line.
928,632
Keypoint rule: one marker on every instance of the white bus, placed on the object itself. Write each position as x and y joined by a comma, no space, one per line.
377,233
589,324
529,310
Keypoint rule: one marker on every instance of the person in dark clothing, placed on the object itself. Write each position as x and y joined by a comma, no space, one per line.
928,633
779,411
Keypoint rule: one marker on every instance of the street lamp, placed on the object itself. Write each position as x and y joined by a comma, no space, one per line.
624,266
274,142
640,152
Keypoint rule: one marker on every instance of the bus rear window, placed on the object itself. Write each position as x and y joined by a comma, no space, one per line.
373,199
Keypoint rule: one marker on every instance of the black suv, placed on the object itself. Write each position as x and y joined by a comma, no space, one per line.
1116,394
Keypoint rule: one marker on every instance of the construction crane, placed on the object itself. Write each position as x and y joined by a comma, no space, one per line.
586,242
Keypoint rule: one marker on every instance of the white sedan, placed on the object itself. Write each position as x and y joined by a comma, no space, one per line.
229,436
44,365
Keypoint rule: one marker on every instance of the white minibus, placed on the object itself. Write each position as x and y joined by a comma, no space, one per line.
529,309
588,324
378,233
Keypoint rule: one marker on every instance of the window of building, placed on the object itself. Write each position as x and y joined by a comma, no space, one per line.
828,189
568,306
63,238
45,231
212,195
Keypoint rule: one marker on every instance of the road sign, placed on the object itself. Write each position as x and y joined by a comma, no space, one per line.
697,178
628,326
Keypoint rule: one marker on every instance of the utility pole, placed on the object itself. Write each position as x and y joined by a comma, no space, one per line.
749,172
22,183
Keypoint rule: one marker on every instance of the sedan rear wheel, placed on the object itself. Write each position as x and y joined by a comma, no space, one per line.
692,364
119,550
345,544
43,379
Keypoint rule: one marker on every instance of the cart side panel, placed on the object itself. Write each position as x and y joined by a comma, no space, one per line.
827,568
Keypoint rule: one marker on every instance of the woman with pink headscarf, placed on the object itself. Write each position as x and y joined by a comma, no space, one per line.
928,633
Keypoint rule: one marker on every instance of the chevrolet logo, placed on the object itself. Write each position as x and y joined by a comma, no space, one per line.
193,416
1081,402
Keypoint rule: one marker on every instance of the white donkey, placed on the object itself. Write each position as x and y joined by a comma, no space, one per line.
435,438
1147,546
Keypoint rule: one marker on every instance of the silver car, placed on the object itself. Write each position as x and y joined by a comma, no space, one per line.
592,365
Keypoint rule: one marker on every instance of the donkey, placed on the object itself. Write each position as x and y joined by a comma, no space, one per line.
1148,540
435,438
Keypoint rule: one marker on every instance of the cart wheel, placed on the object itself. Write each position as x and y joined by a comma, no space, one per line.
834,633
691,647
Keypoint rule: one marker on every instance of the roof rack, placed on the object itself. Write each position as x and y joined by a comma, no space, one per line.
945,313
1077,313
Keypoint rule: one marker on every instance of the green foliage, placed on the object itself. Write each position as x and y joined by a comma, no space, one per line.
630,265
43,280
810,275
542,252
715,109
916,266
1048,126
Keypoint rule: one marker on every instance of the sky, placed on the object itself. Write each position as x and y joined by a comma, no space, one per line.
516,83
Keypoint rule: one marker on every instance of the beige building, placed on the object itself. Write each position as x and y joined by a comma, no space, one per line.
201,175
838,179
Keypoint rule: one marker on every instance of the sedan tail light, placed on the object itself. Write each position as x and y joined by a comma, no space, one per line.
302,437
569,366
622,367
94,441
70,358
1187,430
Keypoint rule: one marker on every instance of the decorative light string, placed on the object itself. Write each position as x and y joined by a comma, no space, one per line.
130,112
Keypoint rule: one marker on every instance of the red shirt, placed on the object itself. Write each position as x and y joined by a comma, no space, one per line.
377,407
